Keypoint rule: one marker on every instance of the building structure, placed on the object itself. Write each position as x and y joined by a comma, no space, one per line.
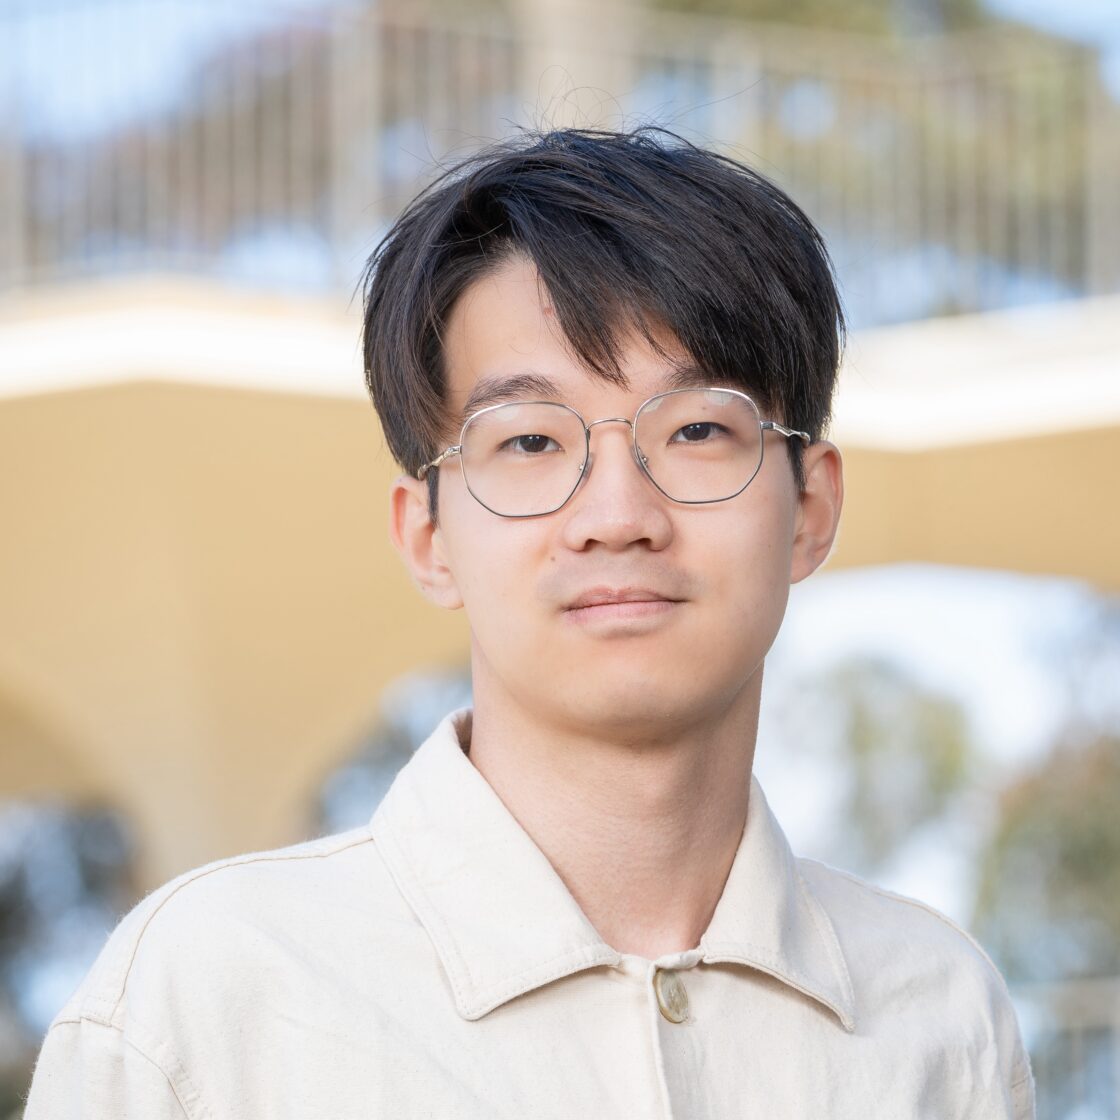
199,605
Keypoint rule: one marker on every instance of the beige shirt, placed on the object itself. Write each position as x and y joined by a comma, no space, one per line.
434,965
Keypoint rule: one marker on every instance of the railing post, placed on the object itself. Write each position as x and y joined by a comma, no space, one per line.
737,75
355,127
14,218
1102,169
577,59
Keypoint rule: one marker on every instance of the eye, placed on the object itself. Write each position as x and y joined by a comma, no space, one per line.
530,444
700,432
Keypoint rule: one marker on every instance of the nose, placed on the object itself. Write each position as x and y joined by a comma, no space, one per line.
616,504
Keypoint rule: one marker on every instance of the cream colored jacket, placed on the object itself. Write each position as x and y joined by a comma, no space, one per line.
433,965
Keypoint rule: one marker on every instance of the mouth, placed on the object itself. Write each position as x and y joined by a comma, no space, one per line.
608,603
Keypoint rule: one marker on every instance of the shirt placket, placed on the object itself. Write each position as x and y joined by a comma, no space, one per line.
674,1035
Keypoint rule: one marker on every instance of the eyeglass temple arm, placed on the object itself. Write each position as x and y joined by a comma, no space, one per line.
774,426
454,449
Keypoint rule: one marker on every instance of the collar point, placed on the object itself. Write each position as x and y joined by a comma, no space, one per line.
473,1004
472,1012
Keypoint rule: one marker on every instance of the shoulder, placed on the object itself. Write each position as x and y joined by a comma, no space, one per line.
179,933
873,920
910,963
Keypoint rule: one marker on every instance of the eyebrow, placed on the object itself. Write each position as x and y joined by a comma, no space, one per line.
535,386
514,387
689,375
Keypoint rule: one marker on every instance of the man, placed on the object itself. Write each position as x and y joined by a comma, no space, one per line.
606,362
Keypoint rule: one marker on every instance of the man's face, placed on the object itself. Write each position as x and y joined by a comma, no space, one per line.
707,584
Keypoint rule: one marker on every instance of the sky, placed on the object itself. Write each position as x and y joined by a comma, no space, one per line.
1093,22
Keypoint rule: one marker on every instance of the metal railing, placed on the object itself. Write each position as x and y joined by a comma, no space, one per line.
947,173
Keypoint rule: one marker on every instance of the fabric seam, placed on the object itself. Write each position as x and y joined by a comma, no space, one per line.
173,1082
202,873
947,921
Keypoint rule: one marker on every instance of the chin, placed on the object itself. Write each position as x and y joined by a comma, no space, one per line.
630,708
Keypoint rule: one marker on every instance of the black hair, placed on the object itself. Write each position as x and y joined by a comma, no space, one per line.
626,229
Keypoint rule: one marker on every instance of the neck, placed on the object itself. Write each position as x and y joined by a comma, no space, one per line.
643,834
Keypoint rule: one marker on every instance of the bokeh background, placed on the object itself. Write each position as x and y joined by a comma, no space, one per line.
206,646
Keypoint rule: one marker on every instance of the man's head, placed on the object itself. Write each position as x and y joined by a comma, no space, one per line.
592,269
637,230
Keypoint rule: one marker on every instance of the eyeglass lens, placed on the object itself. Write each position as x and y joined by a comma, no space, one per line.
697,445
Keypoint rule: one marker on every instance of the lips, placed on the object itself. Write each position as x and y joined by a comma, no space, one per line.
608,596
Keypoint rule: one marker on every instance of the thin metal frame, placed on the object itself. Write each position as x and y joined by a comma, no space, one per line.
639,458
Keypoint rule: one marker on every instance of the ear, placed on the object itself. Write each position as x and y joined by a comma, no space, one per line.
420,542
818,509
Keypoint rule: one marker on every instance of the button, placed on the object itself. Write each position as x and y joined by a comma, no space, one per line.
672,999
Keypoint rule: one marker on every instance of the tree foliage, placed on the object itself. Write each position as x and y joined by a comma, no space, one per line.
1049,898
896,754
908,748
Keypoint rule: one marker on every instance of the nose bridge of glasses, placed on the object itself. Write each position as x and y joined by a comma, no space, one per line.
639,458
612,420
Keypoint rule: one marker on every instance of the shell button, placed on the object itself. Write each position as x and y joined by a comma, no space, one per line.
672,999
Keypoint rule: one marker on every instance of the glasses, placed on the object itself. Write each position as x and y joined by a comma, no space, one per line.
526,459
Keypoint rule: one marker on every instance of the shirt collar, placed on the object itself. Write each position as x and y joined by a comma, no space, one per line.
503,923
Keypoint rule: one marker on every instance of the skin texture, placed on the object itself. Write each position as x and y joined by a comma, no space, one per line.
620,738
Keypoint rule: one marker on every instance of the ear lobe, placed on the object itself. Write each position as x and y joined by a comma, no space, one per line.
818,509
420,543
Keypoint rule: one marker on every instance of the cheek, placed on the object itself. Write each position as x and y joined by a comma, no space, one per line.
753,582
747,563
490,559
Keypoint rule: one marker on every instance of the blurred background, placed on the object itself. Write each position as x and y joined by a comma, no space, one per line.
206,646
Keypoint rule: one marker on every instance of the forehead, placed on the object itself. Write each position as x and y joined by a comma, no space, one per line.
504,342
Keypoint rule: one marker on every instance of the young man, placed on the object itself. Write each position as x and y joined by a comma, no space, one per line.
606,362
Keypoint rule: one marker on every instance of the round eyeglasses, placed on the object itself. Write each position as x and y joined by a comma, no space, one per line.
527,458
